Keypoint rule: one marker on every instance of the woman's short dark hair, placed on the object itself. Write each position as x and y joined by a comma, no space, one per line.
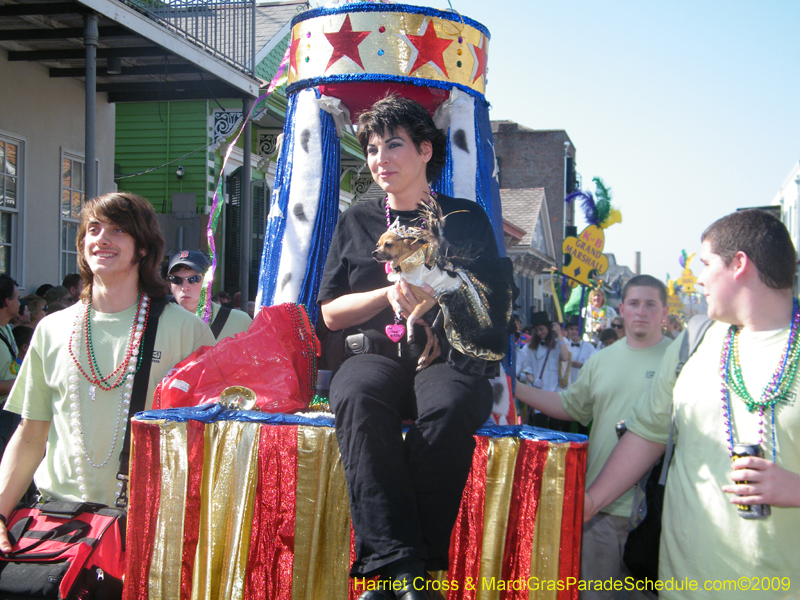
136,217
393,112
763,238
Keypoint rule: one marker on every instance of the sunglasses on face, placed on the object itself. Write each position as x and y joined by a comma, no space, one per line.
616,326
192,279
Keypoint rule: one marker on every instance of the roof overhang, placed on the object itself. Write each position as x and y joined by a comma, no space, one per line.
157,63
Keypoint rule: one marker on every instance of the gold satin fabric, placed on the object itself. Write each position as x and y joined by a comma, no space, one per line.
230,468
322,521
165,566
547,530
500,465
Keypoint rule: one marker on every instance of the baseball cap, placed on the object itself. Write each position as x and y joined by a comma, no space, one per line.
192,259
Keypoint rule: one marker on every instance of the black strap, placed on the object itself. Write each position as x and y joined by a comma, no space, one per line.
10,348
219,322
139,393
66,533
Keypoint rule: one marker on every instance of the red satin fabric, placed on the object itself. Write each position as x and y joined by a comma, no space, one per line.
271,557
195,439
467,537
145,493
276,357
531,460
569,556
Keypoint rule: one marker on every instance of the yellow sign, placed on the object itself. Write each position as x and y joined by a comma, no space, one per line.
586,252
675,305
688,279
673,301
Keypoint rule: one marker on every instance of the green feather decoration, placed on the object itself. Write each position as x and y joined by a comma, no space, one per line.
603,200
573,306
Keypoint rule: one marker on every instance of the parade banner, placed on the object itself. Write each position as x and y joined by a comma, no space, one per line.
247,505
687,279
584,260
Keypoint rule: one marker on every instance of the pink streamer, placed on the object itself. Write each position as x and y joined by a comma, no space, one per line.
209,277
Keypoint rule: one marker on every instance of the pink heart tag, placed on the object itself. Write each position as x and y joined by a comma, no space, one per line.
395,332
387,267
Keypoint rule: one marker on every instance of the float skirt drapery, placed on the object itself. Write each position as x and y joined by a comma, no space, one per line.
247,505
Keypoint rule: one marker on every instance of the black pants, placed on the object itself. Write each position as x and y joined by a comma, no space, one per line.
405,493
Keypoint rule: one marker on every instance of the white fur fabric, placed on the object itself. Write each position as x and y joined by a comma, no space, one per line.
458,114
502,398
301,211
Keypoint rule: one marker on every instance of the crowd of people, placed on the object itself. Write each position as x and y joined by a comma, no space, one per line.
71,355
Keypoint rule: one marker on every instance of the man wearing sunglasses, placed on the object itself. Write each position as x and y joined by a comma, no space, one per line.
186,270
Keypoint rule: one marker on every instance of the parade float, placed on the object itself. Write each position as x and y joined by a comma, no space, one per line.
230,502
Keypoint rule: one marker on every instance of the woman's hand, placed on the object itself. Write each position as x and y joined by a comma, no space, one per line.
402,299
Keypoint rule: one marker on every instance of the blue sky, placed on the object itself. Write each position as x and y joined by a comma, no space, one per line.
686,109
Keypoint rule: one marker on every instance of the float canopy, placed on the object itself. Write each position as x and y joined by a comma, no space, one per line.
360,52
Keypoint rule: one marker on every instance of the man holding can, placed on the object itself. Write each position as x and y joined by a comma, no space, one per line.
737,391
607,387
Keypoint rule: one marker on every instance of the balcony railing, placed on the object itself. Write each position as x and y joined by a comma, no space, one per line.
224,28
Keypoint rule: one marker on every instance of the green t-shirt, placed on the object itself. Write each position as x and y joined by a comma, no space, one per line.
41,393
238,321
703,538
607,388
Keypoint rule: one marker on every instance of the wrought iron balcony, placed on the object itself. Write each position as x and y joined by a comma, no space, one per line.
224,28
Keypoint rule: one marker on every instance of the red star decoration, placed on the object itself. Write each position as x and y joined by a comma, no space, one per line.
345,42
480,55
430,48
293,53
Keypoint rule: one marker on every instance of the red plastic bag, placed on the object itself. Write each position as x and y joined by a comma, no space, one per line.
276,358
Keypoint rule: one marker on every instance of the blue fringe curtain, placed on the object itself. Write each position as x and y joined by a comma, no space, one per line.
273,239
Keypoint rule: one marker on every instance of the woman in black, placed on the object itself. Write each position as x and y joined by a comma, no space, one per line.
404,492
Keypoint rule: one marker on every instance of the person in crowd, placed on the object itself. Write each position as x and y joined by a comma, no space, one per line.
9,309
42,289
608,386
236,301
222,298
618,325
597,315
673,326
57,294
54,307
186,270
36,307
738,387
545,358
71,391
22,337
608,337
579,349
74,285
23,316
405,492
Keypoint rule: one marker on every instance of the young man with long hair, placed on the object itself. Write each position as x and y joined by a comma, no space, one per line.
73,391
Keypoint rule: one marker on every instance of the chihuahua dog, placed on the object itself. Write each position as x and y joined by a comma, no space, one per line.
418,255
394,247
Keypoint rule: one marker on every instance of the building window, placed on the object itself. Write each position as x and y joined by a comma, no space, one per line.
10,202
73,196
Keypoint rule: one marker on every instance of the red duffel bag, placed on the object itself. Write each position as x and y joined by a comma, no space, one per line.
65,550
276,358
